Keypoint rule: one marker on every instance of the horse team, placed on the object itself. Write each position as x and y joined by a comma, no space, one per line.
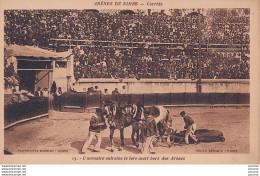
147,124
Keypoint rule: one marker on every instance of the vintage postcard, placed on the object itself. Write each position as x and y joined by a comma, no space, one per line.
130,82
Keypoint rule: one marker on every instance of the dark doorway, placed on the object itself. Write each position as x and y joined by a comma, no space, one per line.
27,79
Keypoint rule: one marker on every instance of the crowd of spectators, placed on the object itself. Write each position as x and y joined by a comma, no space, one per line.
101,62
37,27
219,26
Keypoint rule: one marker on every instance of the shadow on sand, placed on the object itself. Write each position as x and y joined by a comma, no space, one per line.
105,145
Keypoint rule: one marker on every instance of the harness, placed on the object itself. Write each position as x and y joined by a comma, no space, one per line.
138,113
111,109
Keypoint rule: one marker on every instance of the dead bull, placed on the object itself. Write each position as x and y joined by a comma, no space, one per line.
203,135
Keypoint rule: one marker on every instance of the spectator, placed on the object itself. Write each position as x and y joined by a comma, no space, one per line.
45,92
135,43
53,94
72,89
106,92
90,91
96,90
53,88
59,92
58,99
115,92
38,93
123,90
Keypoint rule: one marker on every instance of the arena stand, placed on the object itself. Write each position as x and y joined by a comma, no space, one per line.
30,27
141,45
163,62
138,45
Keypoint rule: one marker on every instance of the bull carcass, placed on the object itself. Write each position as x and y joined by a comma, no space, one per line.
203,135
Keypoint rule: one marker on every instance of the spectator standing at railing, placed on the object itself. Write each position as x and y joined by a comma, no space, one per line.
90,91
53,94
72,88
58,97
115,92
105,91
123,90
45,92
96,90
38,93
59,91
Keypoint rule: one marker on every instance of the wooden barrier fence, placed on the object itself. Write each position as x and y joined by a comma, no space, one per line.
81,102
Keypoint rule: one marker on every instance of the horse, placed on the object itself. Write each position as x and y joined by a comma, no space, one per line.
119,117
123,115
139,114
136,113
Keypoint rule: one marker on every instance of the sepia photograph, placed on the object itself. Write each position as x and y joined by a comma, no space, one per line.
140,82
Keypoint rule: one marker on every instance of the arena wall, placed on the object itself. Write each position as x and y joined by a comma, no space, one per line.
145,86
59,76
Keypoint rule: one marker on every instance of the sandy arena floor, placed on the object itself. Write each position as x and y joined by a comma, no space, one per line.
65,132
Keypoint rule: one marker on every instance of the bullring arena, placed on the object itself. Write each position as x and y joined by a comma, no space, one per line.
61,65
65,132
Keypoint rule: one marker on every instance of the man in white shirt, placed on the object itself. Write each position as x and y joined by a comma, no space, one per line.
45,92
123,90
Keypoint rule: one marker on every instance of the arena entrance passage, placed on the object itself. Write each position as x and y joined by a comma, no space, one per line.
34,73
27,79
35,65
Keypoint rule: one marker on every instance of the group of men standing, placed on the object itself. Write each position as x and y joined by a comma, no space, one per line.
41,92
96,90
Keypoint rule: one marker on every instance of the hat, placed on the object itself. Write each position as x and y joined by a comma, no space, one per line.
182,113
